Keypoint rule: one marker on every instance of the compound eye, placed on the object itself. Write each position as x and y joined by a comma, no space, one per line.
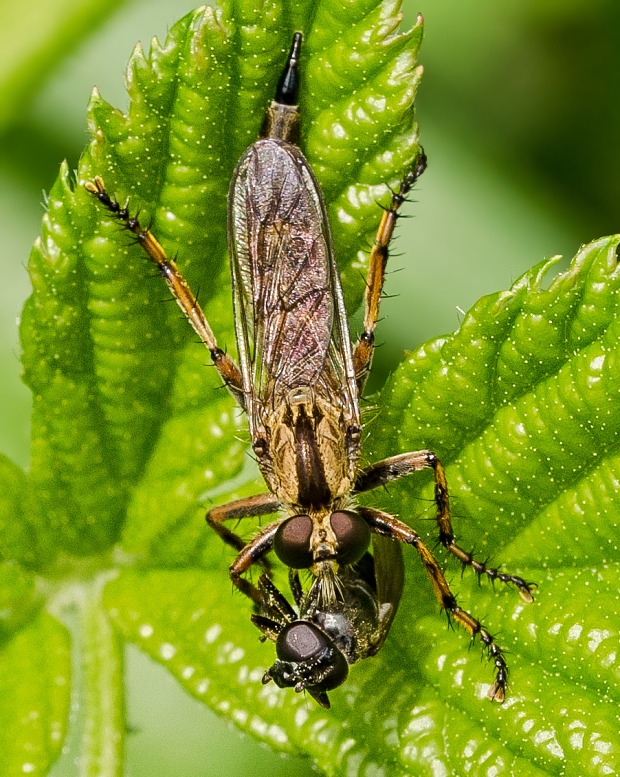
292,542
353,535
338,673
301,642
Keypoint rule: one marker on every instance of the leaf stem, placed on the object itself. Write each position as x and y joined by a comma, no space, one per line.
101,751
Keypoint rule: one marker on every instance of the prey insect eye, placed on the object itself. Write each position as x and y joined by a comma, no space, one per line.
303,644
300,641
352,533
292,542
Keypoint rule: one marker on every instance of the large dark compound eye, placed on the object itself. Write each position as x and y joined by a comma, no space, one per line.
310,656
292,542
353,535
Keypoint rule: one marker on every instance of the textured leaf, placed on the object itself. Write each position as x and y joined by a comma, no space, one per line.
34,697
18,599
420,705
132,439
129,375
130,436
17,535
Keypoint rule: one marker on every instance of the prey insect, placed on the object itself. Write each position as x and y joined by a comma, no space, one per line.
316,646
299,381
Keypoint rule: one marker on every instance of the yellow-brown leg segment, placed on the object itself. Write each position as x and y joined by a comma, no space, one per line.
388,526
362,355
251,552
388,470
177,284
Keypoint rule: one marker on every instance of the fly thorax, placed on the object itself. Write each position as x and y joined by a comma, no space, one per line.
282,466
352,620
309,451
312,466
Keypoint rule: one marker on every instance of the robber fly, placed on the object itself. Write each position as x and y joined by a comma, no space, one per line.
316,646
299,377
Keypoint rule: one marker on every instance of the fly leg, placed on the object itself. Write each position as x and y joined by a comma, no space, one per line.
253,551
388,470
362,354
295,584
388,526
275,612
177,284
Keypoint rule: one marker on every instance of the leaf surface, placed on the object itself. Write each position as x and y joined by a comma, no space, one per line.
133,440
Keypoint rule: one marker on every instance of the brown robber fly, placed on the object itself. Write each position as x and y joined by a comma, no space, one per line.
299,381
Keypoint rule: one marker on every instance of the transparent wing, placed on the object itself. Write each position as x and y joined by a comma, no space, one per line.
289,313
390,579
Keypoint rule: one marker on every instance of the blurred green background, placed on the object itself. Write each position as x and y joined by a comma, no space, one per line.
519,112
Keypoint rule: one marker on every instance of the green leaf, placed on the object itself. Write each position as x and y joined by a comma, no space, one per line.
17,534
126,363
465,395
132,439
34,693
18,599
528,421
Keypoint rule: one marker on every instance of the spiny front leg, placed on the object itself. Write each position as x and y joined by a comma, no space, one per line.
395,467
246,507
388,526
177,284
362,355
254,551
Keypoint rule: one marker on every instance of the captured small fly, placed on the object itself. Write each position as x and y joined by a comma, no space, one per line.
299,381
316,647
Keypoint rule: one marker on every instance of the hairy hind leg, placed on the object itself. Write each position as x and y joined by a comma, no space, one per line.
177,284
363,351
395,467
388,526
